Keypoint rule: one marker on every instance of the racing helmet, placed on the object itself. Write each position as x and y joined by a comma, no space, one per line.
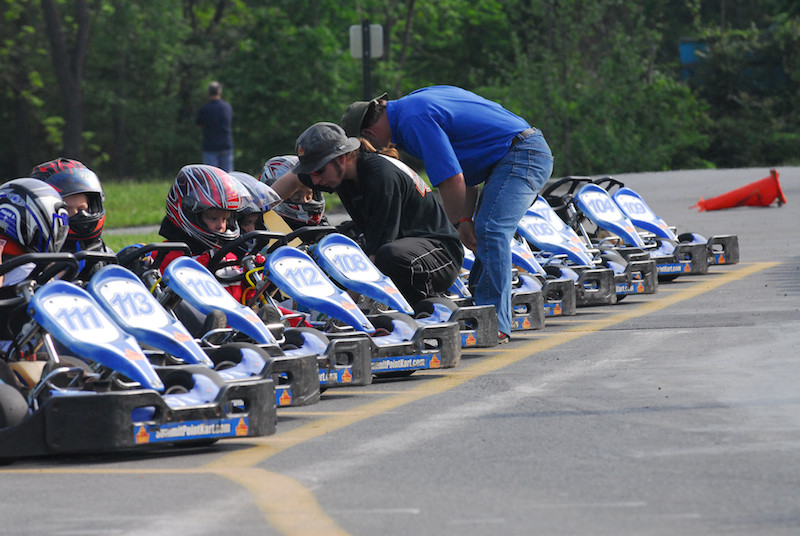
199,187
303,213
70,177
256,196
33,217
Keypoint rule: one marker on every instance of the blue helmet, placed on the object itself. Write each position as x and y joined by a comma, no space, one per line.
33,217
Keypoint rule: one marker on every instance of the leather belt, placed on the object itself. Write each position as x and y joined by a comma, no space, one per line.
522,135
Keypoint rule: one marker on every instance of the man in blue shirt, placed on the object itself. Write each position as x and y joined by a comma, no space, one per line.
465,141
216,118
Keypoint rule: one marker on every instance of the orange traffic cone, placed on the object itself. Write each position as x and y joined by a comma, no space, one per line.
756,194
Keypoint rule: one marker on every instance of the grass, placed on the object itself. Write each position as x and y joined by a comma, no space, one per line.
134,203
118,241
137,203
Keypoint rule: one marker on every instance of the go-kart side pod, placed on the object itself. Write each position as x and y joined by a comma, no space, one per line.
296,274
558,294
345,262
72,317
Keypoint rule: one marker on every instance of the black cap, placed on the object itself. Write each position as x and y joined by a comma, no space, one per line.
354,115
321,143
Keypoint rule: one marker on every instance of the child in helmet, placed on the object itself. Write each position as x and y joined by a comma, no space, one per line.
305,206
33,219
201,211
257,198
81,190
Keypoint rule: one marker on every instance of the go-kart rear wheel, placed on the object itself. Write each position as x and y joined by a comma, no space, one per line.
384,321
269,314
178,382
295,336
425,307
13,406
230,355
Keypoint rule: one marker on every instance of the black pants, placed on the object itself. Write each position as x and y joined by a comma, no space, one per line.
420,267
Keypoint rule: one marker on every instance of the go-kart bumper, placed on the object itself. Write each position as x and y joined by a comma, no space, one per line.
94,422
431,347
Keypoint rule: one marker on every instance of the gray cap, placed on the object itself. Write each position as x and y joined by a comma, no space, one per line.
321,143
354,115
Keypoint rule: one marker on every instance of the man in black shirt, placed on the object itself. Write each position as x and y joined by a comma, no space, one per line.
406,231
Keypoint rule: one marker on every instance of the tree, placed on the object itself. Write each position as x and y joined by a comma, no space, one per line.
68,64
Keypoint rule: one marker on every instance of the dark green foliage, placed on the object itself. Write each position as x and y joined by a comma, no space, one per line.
602,79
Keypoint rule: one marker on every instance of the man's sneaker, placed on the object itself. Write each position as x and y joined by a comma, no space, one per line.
502,338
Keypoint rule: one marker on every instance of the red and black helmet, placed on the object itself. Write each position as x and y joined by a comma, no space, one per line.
33,217
71,177
199,187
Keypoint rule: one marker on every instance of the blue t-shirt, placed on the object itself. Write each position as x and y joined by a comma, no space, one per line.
216,118
453,130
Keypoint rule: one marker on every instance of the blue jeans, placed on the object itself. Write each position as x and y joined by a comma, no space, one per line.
221,159
508,192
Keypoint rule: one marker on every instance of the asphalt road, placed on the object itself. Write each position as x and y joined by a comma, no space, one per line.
676,413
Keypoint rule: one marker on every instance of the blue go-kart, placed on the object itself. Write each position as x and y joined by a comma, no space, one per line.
238,345
719,249
81,384
399,344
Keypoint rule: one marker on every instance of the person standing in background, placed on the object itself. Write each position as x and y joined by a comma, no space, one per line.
216,118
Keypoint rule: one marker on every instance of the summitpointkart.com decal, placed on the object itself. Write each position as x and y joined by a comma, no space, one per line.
389,364
183,431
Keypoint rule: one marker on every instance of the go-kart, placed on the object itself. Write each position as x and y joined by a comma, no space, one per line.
720,249
595,206
399,345
345,262
577,215
241,347
87,386
533,297
603,275
593,284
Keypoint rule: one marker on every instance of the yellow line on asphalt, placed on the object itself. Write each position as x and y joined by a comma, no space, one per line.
294,510
307,511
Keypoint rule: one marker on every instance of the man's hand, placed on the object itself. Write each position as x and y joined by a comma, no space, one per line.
459,204
466,231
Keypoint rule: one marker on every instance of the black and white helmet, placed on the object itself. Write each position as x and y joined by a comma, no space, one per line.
33,217
294,211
